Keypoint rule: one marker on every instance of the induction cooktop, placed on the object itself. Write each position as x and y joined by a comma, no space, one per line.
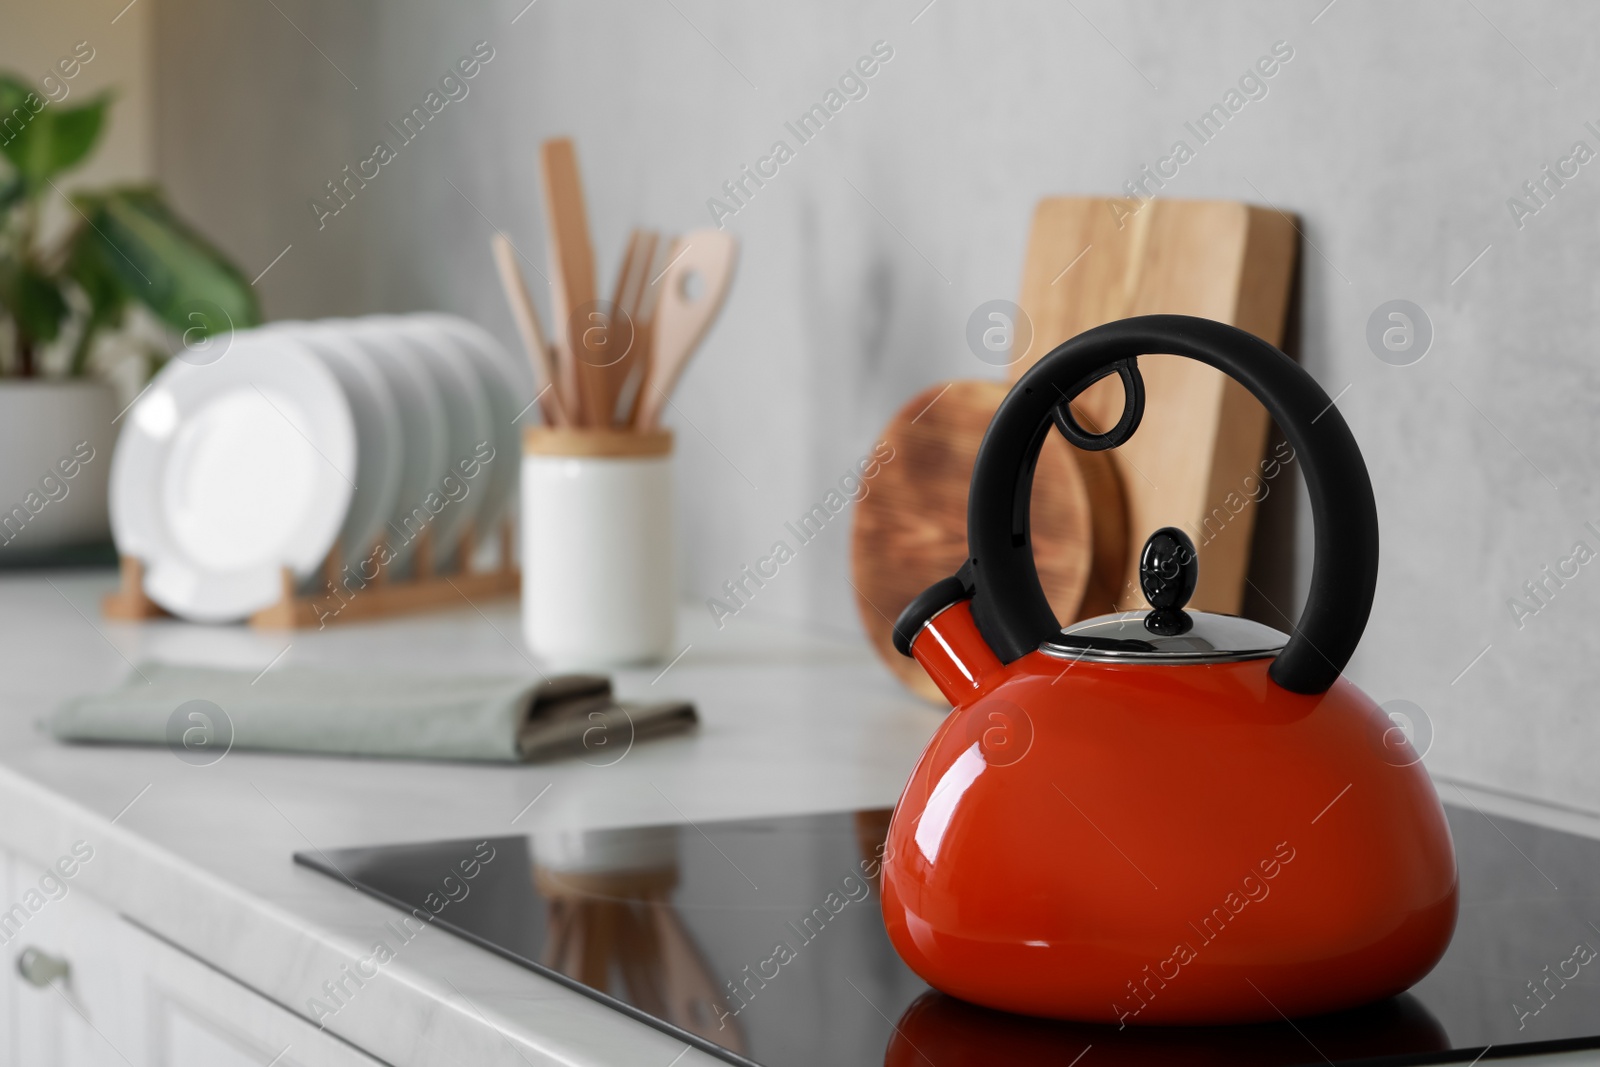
761,942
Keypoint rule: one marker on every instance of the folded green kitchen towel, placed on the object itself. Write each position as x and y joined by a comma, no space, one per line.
201,713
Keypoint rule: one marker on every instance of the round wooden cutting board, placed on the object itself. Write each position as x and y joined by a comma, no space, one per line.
911,528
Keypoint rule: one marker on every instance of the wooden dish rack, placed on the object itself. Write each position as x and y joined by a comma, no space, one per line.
426,589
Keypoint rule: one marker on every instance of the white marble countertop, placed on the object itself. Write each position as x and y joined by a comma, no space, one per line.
200,855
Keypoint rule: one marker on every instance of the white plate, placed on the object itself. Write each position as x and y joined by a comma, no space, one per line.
424,442
379,447
227,473
454,498
510,393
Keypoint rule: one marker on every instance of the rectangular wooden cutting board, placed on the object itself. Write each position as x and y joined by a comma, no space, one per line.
1091,260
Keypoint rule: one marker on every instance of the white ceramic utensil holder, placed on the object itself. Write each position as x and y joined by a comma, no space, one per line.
598,563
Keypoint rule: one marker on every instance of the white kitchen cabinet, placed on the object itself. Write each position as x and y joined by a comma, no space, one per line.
129,999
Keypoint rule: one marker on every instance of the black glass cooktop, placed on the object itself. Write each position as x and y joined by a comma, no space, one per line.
761,941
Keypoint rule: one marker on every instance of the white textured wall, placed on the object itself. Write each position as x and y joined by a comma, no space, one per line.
1397,132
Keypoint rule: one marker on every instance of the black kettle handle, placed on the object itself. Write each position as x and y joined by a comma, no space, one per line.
1008,602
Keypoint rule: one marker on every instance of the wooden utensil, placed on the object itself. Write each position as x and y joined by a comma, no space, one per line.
619,332
1090,261
682,321
911,527
531,329
627,334
572,283
649,301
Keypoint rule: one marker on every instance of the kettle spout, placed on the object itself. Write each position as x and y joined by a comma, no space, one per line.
955,655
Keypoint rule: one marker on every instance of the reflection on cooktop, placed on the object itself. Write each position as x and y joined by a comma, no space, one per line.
761,941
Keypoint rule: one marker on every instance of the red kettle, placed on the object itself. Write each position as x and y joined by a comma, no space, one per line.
1162,817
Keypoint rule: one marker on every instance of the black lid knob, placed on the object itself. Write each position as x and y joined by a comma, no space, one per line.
1168,571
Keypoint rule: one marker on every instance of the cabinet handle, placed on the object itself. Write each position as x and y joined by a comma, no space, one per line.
39,968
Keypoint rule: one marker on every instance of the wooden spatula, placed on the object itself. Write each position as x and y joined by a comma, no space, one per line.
631,289
649,300
622,338
682,321
572,281
532,331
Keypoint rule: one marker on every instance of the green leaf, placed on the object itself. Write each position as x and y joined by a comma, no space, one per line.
76,130
33,299
12,94
41,139
11,191
102,287
86,265
165,265
16,116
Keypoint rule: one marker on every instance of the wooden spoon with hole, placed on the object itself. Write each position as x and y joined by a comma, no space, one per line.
681,321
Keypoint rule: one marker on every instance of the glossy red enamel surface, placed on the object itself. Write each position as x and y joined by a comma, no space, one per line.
1160,844
953,652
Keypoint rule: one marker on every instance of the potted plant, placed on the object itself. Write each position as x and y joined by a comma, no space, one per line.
76,272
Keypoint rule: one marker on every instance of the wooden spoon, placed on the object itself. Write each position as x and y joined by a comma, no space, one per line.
531,329
682,321
572,282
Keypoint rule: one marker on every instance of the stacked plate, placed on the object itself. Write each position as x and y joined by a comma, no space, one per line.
282,444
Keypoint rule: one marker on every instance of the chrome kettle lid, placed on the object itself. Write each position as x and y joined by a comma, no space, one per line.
1124,638
1168,571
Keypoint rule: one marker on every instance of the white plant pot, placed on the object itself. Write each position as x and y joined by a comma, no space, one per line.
55,464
